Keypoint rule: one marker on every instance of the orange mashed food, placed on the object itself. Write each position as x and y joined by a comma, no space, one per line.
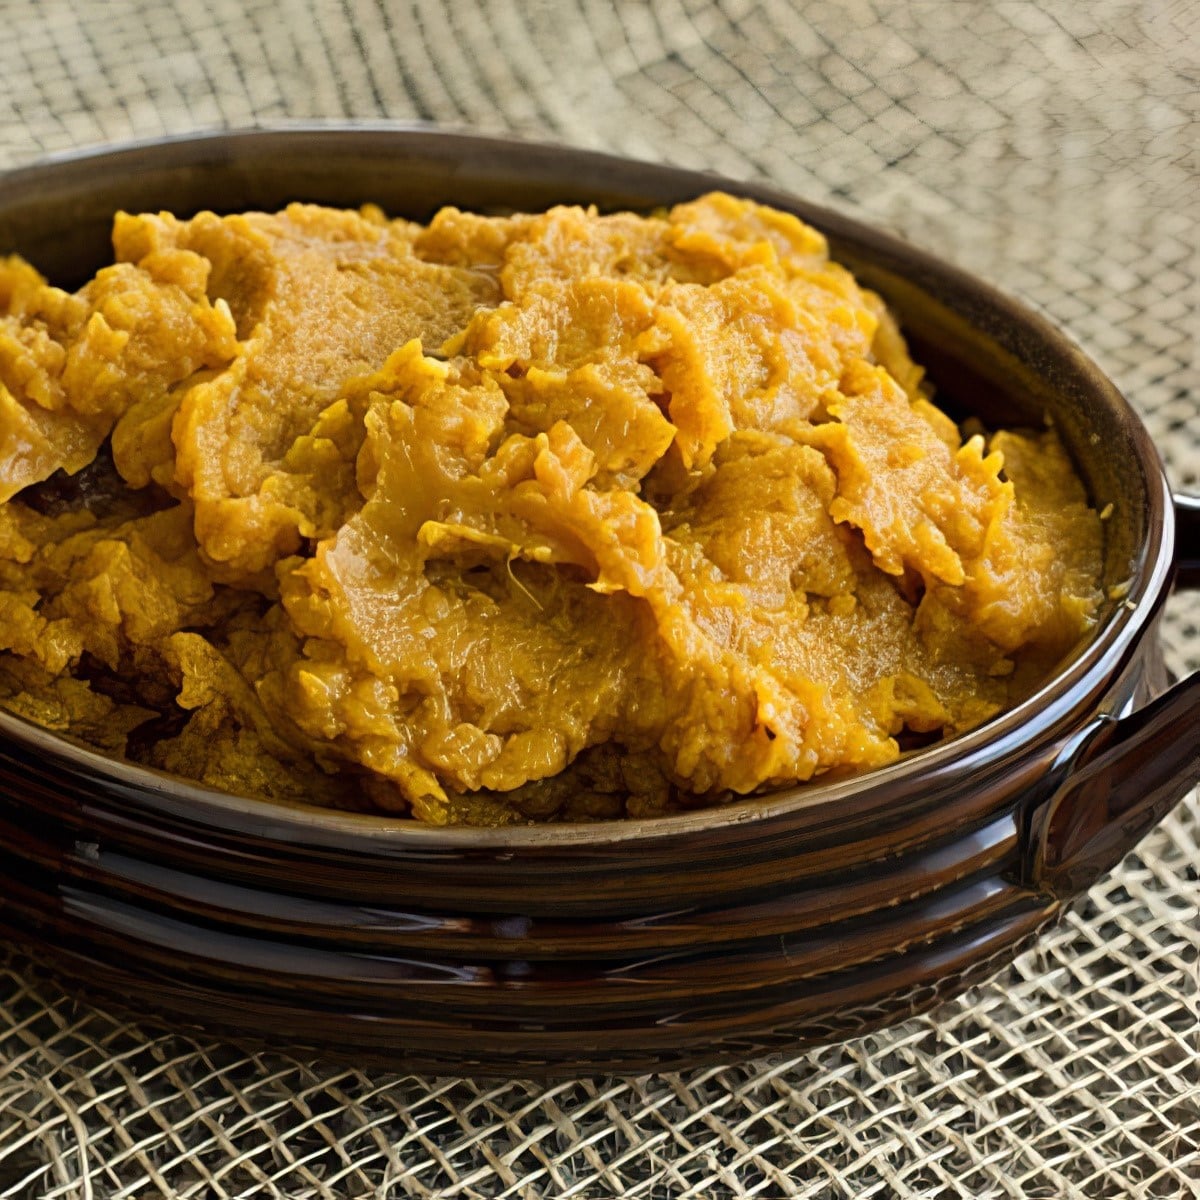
558,516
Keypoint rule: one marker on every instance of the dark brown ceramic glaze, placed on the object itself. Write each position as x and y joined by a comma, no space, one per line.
809,915
1187,536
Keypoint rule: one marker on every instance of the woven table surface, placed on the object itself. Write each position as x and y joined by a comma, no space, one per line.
1052,147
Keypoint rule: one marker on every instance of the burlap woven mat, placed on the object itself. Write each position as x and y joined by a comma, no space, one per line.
1052,147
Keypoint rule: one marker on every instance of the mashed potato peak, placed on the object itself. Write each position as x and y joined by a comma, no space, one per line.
557,516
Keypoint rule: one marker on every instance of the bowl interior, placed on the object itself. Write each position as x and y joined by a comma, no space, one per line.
986,354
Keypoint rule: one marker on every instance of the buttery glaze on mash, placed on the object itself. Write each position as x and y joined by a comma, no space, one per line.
558,516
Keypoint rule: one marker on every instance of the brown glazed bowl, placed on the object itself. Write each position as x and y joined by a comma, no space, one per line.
801,917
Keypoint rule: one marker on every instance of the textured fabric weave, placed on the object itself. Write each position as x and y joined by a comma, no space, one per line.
1052,147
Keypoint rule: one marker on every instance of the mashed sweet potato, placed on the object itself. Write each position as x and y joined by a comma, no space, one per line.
507,518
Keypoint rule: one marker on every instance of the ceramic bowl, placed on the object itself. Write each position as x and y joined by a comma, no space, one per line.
812,914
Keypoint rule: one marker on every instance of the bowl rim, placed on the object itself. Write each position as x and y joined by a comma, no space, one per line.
1093,663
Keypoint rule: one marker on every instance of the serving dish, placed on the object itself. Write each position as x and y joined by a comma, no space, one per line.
812,914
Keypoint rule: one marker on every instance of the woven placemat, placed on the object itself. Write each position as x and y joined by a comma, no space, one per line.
1052,147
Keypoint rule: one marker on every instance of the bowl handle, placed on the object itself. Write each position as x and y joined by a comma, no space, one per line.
1187,541
1123,778
1125,774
